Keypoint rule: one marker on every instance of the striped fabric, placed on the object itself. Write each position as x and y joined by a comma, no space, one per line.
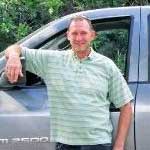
80,93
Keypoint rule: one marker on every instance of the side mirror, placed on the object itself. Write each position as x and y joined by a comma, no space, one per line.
4,83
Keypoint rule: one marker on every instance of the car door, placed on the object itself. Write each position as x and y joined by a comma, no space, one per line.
142,113
117,37
24,116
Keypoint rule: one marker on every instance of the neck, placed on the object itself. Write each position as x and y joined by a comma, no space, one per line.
83,54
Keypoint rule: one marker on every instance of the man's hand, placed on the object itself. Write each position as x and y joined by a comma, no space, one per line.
13,68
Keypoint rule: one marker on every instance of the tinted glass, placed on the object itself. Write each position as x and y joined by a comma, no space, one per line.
113,43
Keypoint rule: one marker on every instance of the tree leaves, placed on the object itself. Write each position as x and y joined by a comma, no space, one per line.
18,18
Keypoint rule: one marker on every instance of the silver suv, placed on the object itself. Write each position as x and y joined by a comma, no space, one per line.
123,34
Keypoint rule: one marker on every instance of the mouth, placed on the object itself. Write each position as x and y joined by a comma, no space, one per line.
79,44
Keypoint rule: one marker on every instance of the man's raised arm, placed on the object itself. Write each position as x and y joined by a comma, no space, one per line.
13,68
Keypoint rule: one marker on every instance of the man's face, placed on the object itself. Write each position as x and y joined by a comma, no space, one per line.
80,35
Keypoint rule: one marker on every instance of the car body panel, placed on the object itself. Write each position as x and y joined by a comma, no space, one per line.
142,109
142,117
144,46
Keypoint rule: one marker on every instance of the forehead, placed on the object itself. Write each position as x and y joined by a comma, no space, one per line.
78,24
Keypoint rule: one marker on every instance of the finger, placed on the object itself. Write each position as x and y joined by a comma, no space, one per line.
7,72
5,69
16,75
12,75
21,74
13,70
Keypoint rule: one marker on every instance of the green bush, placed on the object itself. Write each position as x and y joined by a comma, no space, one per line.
18,18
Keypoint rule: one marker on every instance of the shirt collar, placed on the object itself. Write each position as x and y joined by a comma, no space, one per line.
90,57
92,54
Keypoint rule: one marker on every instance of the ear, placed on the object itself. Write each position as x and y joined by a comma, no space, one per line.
93,35
67,34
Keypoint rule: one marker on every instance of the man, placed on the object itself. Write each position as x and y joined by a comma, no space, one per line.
81,85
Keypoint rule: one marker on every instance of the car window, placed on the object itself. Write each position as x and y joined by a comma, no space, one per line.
112,41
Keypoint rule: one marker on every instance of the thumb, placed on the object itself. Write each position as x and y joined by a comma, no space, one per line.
21,74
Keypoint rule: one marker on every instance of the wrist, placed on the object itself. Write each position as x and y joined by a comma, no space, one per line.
13,51
12,55
119,145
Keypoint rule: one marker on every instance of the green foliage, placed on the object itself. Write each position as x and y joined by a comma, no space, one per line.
113,44
136,2
22,30
54,7
18,18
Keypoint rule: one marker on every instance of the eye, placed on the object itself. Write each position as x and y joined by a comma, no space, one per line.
74,33
83,33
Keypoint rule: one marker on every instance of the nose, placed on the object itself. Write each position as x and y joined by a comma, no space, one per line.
78,37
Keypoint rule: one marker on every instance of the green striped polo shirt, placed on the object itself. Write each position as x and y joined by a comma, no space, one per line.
80,93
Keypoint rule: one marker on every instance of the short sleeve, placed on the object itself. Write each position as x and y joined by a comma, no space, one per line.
35,60
119,92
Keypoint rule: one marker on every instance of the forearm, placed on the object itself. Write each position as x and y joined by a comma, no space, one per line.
13,50
123,126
